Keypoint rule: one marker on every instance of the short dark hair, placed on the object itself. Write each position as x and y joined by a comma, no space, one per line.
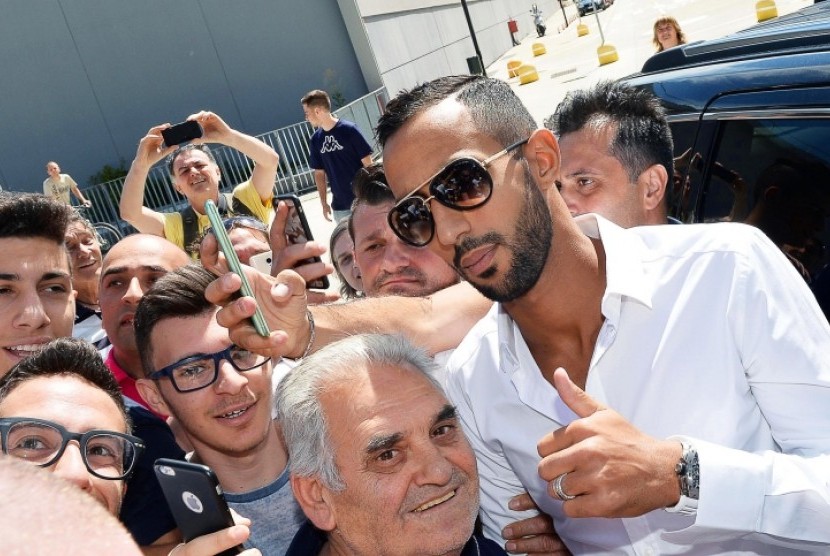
32,215
642,136
493,106
179,293
317,98
171,158
370,188
66,357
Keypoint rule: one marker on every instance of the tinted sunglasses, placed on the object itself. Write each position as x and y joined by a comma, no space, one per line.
463,184
241,222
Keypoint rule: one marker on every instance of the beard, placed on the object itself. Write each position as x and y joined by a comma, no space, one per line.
528,246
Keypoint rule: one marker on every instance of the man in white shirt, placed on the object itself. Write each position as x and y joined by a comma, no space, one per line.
704,428
699,347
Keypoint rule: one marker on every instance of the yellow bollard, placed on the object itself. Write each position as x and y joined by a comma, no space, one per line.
765,9
538,49
607,54
581,30
527,74
512,66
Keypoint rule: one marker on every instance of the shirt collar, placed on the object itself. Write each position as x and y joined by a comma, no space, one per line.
625,272
626,275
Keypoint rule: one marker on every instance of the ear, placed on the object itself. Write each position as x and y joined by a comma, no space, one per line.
654,179
150,392
771,192
315,501
542,155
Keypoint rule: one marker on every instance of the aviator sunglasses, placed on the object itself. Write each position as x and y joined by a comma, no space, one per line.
463,184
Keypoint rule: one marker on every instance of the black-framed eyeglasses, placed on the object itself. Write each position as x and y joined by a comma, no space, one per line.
463,184
106,454
200,371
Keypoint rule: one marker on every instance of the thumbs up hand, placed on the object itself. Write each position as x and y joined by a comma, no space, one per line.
600,465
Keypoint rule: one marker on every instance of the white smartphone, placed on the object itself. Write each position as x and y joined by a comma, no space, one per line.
262,262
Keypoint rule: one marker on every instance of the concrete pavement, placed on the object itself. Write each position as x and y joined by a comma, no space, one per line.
571,62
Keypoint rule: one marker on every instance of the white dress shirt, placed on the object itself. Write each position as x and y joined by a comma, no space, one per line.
709,334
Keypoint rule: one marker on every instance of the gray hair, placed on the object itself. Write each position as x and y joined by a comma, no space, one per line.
300,412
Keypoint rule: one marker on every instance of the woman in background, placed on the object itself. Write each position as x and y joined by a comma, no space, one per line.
667,33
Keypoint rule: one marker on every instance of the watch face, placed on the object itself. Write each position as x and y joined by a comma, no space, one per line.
690,478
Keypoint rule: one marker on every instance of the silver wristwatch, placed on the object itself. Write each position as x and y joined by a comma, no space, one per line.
688,472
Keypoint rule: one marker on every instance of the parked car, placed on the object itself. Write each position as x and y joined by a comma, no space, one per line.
590,6
750,117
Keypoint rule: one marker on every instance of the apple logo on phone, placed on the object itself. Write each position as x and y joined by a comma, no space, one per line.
192,502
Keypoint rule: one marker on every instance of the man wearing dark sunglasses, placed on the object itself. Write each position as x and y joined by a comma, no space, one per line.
659,374
221,395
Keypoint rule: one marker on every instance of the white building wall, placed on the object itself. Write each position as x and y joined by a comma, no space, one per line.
418,40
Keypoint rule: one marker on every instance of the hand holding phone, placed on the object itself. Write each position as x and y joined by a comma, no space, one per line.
233,263
182,133
195,498
297,231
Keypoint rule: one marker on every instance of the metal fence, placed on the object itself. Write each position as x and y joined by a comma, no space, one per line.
293,176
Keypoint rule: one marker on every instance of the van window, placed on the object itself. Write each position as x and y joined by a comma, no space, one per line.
774,174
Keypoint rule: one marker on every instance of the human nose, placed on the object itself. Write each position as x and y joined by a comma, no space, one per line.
32,314
433,468
449,223
397,255
134,292
229,381
568,195
71,467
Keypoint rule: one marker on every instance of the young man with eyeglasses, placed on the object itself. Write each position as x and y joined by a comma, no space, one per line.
222,396
196,175
652,384
62,410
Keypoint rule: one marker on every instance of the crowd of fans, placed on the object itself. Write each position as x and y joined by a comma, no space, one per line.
522,354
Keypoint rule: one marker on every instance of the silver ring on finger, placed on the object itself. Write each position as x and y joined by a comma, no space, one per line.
557,488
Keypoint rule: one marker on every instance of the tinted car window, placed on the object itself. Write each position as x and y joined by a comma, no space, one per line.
774,174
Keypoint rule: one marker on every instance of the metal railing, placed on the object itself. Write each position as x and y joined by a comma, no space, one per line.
293,176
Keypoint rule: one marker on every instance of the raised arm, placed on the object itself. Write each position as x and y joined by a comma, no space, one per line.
151,149
266,160
437,323
73,186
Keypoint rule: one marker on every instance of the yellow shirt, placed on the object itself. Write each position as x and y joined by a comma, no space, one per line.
245,192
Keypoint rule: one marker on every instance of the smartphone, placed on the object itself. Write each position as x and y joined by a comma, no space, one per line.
233,263
298,231
182,133
262,262
195,498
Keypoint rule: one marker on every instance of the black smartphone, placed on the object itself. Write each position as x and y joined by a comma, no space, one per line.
195,499
182,133
298,231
